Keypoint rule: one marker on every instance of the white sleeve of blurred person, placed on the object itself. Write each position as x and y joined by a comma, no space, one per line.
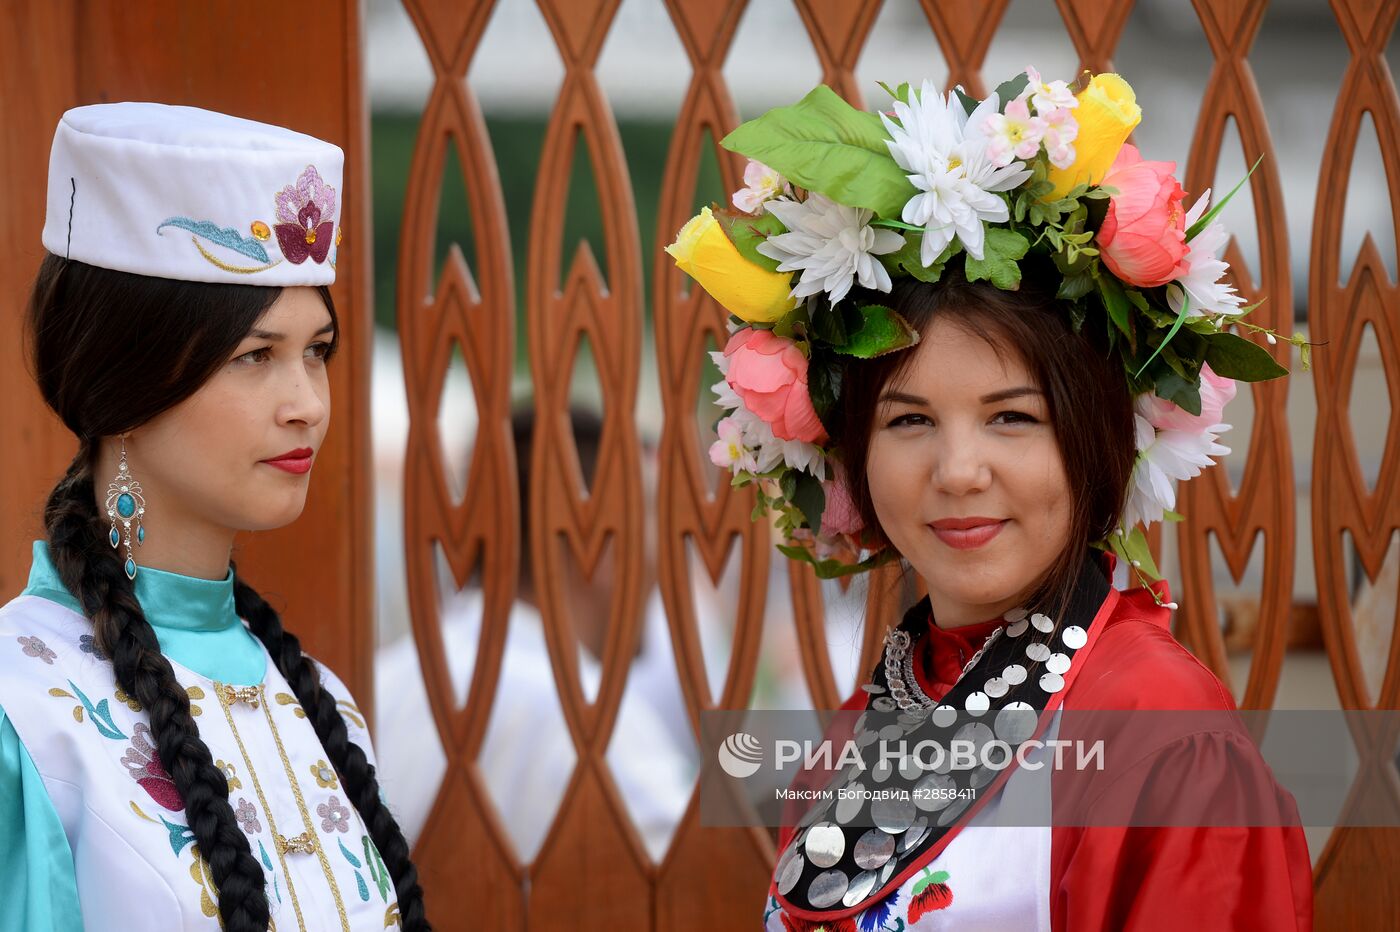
527,757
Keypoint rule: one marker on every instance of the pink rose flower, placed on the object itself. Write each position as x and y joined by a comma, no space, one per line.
1216,393
1143,238
840,515
769,374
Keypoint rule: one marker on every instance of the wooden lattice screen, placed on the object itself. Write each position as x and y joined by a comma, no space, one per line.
593,871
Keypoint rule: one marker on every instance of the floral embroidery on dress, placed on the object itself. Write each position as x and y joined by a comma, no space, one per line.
267,863
88,645
289,699
180,835
931,892
145,767
793,924
334,816
373,864
377,871
194,692
199,873
100,715
231,774
878,916
129,701
247,817
355,863
34,647
134,704
325,776
352,712
305,212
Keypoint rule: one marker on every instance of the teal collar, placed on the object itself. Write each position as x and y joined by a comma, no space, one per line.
194,619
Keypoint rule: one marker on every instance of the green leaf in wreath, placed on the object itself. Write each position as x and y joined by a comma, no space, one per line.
1008,91
1182,392
1115,302
907,260
1133,546
824,386
828,325
746,231
900,93
825,145
969,103
809,498
882,330
1000,251
832,568
1243,360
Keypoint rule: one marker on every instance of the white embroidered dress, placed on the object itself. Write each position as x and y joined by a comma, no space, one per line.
136,864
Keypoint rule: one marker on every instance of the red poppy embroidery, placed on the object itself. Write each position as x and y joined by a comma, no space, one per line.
931,892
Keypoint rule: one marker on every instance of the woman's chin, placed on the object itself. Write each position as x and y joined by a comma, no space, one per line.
272,516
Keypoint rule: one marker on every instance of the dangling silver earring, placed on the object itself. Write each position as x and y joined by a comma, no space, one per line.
126,504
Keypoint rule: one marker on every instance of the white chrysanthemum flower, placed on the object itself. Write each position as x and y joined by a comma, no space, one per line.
831,244
1164,457
943,150
1209,295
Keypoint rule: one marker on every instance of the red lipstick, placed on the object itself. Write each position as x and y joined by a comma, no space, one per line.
967,533
293,461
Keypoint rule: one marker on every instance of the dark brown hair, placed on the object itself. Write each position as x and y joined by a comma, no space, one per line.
110,351
1090,405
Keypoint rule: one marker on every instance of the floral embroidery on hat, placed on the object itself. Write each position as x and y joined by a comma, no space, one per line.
305,228
34,647
334,816
306,218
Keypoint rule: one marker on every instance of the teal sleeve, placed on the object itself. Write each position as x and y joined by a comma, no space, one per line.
37,883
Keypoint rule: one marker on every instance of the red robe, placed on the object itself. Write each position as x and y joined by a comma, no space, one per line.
1165,877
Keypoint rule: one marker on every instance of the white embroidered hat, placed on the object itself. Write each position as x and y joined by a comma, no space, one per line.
190,194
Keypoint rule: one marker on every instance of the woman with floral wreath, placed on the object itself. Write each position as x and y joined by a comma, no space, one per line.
984,338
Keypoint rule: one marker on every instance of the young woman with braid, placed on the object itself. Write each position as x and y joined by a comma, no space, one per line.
169,757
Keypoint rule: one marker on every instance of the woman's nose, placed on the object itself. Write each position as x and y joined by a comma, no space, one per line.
961,466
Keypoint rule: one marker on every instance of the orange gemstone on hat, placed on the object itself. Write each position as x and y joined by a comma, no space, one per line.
261,230
339,232
310,237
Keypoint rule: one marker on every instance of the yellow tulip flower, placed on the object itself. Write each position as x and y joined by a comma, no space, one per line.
1106,114
748,291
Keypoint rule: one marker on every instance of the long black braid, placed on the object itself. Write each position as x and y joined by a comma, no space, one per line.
357,774
91,571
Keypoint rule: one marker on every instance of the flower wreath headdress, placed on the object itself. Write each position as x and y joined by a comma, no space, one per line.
836,196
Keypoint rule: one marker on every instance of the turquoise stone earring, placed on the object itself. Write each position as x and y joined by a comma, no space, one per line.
126,504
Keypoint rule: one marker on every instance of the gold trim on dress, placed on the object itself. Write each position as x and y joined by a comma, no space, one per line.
306,818
226,703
